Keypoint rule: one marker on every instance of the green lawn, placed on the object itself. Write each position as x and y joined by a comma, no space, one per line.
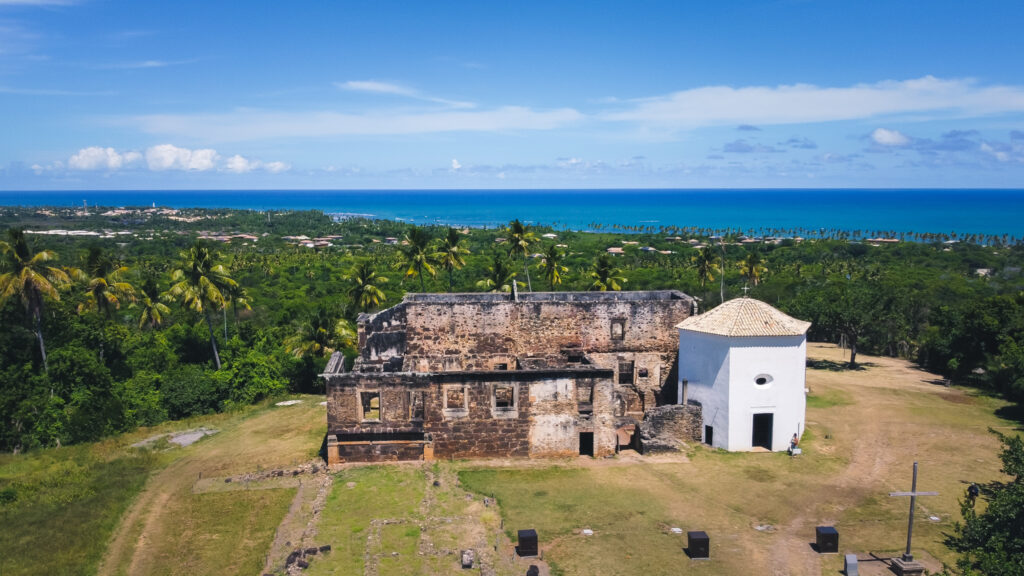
360,495
66,504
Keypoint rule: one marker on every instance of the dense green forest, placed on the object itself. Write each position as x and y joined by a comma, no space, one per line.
162,314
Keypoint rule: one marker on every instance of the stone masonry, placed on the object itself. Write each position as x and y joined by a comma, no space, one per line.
495,375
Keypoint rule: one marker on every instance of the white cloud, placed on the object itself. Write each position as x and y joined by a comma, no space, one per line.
97,158
169,157
244,125
455,165
142,64
160,158
376,87
239,165
806,103
999,155
889,137
277,167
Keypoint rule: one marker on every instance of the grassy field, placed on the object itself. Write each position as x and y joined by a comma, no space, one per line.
111,509
66,503
865,429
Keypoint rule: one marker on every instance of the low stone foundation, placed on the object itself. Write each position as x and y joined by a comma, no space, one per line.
665,427
376,450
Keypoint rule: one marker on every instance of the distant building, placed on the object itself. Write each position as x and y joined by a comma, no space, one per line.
744,363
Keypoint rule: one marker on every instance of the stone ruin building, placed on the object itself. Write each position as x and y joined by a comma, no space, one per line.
542,374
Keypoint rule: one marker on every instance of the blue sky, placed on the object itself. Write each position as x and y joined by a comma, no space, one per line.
104,94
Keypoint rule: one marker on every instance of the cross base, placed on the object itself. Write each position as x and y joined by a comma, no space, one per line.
907,567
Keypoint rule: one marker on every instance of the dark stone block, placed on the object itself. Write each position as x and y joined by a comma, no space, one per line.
311,551
827,539
533,570
698,545
325,548
302,564
527,543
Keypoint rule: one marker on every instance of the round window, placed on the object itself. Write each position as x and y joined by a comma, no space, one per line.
762,379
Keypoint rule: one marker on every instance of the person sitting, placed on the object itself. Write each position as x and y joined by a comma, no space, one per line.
793,445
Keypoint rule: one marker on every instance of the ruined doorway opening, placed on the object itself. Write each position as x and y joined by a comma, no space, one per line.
762,436
587,444
709,435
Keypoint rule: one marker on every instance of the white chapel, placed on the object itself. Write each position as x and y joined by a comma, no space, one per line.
744,362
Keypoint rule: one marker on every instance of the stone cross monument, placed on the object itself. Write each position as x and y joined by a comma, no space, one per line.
905,565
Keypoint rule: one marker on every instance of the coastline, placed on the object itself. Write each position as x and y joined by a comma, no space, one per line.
760,211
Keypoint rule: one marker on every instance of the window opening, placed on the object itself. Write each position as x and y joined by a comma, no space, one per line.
618,329
371,405
504,397
416,405
455,398
625,372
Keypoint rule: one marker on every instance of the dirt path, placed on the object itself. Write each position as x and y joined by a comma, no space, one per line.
244,445
881,444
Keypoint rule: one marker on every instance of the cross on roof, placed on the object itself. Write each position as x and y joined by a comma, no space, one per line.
907,556
745,290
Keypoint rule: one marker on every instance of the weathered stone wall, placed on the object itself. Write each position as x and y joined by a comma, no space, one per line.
544,422
382,339
467,329
619,349
477,433
665,427
343,409
374,451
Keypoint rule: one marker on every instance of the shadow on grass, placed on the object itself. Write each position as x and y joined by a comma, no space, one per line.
837,366
1014,413
323,449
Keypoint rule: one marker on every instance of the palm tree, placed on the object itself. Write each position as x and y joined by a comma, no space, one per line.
237,296
364,288
706,264
520,238
500,276
606,276
105,288
721,295
552,265
416,255
153,311
752,267
450,253
27,276
198,286
320,335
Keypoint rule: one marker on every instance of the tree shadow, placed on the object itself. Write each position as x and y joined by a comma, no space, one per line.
834,366
1014,413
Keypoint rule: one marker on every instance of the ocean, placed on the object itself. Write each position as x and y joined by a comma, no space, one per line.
988,212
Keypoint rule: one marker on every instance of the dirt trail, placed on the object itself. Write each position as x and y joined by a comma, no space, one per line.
878,445
242,446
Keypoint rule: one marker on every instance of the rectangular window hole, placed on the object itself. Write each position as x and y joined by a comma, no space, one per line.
416,405
371,405
455,398
504,397
625,372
